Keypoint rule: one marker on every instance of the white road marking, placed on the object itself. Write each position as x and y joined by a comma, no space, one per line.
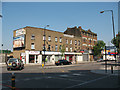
86,82
26,79
76,74
64,75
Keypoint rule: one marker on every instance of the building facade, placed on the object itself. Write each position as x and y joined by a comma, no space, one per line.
28,45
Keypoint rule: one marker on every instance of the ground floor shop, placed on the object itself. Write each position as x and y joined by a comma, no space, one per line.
29,57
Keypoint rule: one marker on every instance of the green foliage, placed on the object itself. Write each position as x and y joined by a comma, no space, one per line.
98,47
62,49
116,41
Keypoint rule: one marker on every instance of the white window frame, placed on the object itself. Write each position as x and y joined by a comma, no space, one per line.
32,37
70,41
49,38
66,41
44,38
60,39
75,42
70,49
56,47
32,46
56,39
66,48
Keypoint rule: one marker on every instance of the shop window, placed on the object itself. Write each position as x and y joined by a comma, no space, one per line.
32,46
31,58
33,37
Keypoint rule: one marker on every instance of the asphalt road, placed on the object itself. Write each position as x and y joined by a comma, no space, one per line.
59,77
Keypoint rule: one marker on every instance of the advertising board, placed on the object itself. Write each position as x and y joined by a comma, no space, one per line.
19,41
20,32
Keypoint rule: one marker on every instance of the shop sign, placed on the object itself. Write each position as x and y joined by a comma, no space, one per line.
34,52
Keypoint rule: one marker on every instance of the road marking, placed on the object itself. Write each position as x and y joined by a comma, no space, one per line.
49,77
86,82
26,79
64,75
76,74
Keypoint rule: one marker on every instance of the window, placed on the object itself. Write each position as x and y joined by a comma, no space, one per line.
32,37
49,47
66,41
32,46
60,39
84,40
71,49
44,48
79,43
49,38
44,38
66,48
90,41
60,47
55,39
70,41
75,42
56,47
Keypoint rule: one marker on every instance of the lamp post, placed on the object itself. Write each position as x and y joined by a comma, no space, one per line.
113,26
44,42
1,44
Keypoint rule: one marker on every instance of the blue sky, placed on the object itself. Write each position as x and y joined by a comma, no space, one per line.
59,15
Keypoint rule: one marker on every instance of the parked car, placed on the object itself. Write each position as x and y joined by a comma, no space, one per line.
62,62
100,60
14,63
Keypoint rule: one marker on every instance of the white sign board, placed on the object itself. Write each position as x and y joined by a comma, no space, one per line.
34,52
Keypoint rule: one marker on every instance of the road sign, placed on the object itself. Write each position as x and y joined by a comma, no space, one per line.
110,47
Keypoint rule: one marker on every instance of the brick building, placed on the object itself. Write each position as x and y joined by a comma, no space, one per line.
28,44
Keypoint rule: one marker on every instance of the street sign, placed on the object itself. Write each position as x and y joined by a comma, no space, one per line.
110,47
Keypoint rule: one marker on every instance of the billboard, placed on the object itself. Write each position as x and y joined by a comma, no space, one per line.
20,32
19,41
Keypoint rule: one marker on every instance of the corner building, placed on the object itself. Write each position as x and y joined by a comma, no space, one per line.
28,45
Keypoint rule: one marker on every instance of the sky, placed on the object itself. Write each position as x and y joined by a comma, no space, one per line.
59,15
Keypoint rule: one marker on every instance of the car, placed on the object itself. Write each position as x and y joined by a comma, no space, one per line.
62,62
100,60
14,63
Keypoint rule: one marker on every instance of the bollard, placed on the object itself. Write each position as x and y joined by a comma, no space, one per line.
112,69
13,81
42,65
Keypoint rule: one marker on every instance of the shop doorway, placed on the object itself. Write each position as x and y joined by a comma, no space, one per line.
31,58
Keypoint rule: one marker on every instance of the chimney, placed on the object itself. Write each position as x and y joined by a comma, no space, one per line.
80,27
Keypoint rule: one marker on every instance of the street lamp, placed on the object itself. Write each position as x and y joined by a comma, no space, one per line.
112,20
113,26
1,44
44,42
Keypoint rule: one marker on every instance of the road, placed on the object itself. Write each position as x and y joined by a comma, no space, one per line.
59,77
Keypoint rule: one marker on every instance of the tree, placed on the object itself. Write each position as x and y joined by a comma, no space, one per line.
116,40
98,47
62,50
